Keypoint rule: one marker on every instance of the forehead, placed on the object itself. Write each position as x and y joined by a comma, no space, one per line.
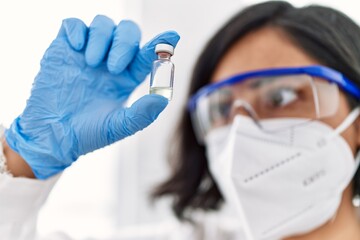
267,47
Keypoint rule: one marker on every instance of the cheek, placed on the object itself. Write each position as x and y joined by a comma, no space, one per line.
343,111
350,136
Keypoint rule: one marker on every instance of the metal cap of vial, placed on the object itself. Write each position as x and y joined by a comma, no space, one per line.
163,47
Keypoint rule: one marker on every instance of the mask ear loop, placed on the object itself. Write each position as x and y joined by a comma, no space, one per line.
347,122
350,119
341,128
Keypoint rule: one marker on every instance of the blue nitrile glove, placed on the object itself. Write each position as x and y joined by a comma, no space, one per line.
77,99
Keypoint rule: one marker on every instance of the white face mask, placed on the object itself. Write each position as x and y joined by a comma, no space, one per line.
284,183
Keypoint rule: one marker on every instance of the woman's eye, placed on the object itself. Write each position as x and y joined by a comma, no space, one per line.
220,104
220,111
281,97
224,108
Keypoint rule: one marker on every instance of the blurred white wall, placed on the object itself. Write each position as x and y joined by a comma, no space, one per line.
107,190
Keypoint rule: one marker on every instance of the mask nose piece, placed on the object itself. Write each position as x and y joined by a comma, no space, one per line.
241,107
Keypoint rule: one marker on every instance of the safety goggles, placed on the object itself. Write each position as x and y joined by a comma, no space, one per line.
305,93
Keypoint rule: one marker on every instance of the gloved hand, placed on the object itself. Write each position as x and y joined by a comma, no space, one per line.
77,99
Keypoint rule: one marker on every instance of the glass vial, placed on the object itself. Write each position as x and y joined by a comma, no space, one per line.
162,74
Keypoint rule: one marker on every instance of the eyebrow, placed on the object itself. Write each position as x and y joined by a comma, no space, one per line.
260,81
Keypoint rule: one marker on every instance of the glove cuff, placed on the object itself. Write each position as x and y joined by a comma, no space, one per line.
43,160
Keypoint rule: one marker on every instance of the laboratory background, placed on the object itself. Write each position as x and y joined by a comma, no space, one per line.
107,191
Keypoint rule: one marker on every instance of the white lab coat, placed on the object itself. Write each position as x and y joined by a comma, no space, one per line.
22,198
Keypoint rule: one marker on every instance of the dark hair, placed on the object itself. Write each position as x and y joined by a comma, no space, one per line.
324,33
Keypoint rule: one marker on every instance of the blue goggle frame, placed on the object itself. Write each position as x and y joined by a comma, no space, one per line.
329,74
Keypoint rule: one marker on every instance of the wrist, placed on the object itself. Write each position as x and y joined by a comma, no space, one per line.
13,163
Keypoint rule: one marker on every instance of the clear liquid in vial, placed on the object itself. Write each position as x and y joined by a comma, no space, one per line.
166,92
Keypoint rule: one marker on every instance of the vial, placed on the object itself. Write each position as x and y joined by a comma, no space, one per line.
162,73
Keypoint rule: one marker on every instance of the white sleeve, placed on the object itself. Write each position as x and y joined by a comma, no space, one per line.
20,202
22,198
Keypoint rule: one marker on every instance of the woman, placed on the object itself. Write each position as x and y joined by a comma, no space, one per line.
218,162
272,130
